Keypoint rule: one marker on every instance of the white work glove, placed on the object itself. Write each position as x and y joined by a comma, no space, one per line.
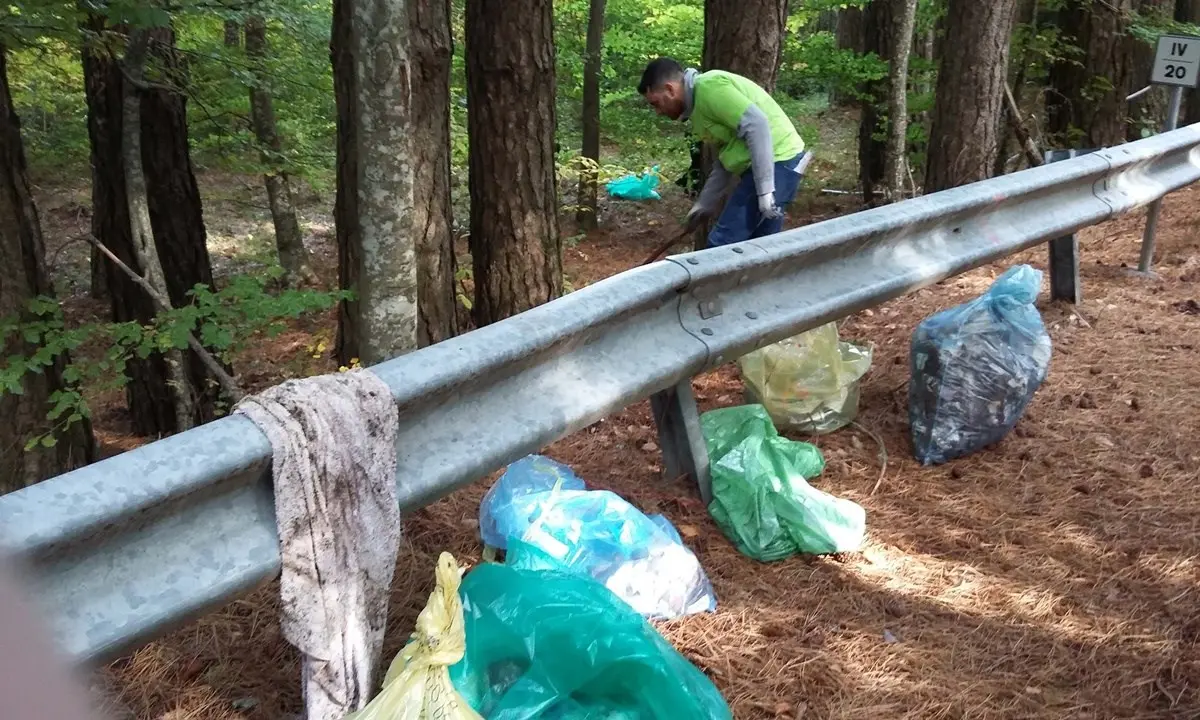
766,207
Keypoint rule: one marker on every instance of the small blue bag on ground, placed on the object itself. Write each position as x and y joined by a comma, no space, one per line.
544,643
975,367
635,187
596,533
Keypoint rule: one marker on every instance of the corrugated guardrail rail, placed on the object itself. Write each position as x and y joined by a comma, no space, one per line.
128,548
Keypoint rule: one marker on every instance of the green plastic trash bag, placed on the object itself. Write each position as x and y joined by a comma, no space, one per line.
808,383
760,497
635,187
545,643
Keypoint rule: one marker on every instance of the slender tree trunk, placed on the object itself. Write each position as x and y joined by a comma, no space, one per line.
591,116
965,134
23,277
879,37
233,34
345,206
431,56
745,37
1086,105
288,240
1026,15
515,244
139,213
176,217
904,14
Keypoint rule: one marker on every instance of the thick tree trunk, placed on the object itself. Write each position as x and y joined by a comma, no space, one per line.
904,14
745,37
591,116
345,206
1086,105
1150,110
965,135
431,55
175,217
515,244
24,277
879,37
144,248
850,36
288,241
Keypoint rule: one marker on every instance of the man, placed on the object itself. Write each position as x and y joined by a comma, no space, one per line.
756,144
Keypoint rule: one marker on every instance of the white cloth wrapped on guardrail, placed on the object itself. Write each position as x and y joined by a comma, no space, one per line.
333,444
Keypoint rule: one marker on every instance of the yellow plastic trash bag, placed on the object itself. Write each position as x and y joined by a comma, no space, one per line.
417,685
808,383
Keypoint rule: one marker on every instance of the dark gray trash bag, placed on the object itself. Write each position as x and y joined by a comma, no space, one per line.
975,367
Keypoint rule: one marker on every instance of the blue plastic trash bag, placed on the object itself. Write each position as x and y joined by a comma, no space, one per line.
975,367
635,187
599,534
544,643
506,507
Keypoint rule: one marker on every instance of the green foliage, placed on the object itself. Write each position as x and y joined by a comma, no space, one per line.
95,354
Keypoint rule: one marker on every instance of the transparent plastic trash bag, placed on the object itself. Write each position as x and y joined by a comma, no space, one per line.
547,643
761,499
598,533
635,187
417,685
808,383
975,368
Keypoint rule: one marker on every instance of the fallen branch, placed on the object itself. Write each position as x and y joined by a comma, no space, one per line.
662,249
1018,126
228,385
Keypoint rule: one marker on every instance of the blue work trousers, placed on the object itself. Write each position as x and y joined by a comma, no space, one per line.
740,220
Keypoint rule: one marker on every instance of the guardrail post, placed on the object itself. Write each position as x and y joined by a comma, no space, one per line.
1064,251
678,421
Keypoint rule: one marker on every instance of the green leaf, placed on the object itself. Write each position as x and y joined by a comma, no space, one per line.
49,441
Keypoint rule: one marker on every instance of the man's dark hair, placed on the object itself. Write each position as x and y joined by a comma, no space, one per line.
659,72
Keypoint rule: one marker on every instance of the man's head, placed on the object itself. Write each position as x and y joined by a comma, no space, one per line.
662,86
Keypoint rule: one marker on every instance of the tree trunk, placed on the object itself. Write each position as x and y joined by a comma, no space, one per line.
879,37
515,244
904,13
233,34
345,206
288,241
1027,14
1086,105
591,116
1189,11
24,277
144,249
1150,110
849,35
965,135
176,218
745,37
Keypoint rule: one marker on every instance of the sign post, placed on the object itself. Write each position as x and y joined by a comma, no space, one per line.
1176,63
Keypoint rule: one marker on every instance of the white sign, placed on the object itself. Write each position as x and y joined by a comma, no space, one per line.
1177,61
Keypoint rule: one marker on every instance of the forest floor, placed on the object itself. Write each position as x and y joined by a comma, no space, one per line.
1056,574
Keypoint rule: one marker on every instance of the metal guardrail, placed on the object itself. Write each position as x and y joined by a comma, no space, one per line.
128,548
